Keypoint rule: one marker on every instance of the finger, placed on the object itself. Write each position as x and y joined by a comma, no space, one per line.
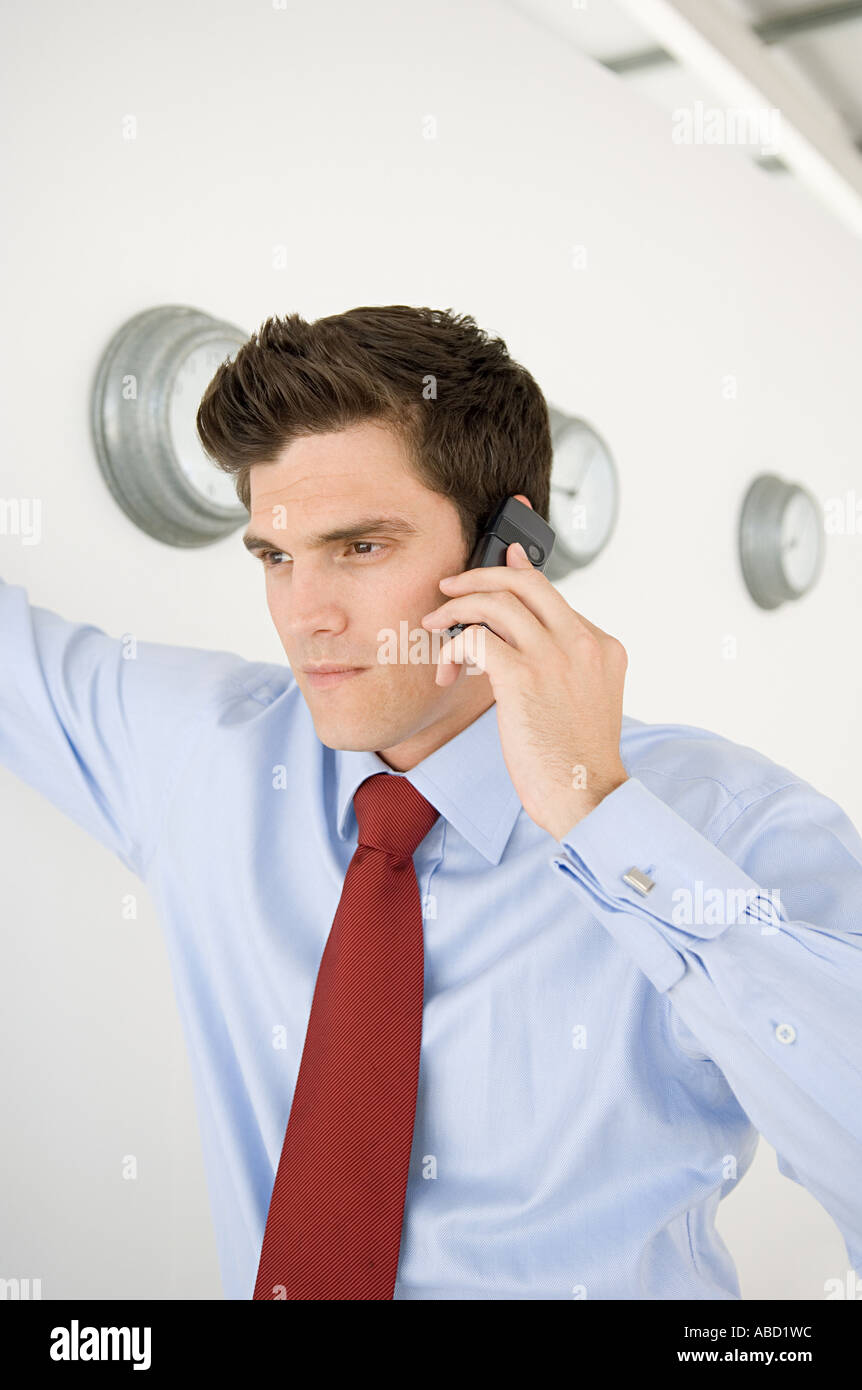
451,660
533,588
447,672
481,651
502,610
535,591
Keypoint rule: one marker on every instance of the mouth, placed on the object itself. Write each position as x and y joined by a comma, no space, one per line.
321,679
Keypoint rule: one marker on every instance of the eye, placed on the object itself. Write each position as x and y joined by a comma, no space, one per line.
271,561
267,558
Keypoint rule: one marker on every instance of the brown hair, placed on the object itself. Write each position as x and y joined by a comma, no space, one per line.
473,422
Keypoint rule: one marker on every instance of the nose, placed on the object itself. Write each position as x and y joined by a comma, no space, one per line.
305,606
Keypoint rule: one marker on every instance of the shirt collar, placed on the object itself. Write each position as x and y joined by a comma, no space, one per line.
466,780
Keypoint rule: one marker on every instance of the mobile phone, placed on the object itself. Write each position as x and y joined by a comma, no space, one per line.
511,521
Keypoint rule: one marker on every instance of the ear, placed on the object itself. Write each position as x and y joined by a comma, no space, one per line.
521,498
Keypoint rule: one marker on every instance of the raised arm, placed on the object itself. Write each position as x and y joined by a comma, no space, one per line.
100,725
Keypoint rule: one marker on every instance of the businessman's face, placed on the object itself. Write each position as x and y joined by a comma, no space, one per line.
331,595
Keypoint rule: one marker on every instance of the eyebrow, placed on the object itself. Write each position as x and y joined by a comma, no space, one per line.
391,525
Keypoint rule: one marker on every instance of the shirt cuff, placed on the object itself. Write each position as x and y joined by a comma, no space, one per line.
689,891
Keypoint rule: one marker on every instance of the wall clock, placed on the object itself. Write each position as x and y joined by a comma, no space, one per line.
145,397
584,494
781,540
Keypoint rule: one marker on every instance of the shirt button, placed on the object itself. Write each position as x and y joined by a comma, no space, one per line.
785,1032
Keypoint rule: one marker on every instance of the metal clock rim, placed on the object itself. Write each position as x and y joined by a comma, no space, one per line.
203,522
561,423
759,540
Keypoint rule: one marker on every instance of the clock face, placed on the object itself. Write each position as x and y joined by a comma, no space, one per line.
189,383
583,491
801,542
781,540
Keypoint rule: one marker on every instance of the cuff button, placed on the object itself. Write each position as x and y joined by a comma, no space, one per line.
636,878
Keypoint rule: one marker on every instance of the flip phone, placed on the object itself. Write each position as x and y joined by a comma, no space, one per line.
512,521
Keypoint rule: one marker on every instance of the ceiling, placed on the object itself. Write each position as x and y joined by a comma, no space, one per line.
795,57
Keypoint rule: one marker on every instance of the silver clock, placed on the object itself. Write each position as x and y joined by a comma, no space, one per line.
584,494
144,401
781,540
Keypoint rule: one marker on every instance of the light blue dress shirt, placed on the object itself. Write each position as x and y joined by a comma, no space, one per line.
598,1054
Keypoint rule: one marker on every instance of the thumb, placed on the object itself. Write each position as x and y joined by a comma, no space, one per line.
517,557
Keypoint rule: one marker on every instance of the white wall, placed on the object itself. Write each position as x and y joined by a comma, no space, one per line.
302,127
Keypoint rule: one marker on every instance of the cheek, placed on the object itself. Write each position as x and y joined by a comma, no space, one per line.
399,604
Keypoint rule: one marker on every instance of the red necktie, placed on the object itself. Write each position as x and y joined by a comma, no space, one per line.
334,1223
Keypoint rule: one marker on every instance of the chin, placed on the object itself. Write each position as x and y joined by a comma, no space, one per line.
352,727
349,738
340,745
359,730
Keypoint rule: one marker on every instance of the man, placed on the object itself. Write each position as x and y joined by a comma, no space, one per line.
487,987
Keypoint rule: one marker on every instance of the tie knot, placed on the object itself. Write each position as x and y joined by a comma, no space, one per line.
392,815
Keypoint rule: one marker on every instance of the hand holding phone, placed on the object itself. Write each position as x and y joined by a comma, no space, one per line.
512,521
557,679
